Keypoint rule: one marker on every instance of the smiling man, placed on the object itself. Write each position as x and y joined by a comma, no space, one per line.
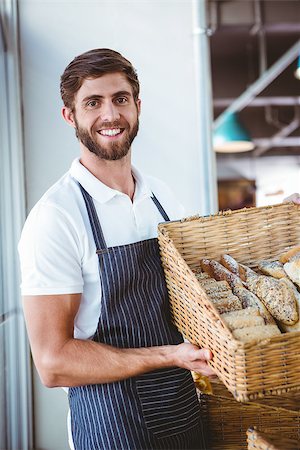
94,294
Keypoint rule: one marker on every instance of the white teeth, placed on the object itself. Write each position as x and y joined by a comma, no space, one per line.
110,132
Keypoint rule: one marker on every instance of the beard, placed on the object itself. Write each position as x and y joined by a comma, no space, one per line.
113,151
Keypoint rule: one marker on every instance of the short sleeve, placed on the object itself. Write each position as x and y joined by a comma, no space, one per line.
50,253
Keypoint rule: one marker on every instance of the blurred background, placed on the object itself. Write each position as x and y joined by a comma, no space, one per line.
220,124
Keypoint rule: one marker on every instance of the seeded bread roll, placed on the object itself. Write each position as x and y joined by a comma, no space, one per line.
220,286
285,257
219,272
256,334
292,269
236,268
249,299
248,317
219,293
276,295
201,275
230,263
226,304
273,268
296,326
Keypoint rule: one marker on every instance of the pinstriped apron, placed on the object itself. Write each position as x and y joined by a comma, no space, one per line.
159,409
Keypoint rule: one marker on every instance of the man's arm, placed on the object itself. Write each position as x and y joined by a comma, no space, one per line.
62,360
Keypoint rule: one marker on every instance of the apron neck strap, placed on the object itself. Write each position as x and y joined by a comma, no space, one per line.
160,208
94,219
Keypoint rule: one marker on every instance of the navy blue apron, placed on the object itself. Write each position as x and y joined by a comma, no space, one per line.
159,409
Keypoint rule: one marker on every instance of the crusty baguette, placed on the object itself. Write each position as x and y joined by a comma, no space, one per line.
233,266
219,272
256,334
292,269
230,263
285,257
243,318
273,268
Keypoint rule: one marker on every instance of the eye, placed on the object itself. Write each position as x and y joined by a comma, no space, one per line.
121,100
92,103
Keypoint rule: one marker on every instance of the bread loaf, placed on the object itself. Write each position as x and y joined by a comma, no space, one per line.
226,304
219,286
249,299
219,293
273,268
277,297
296,326
233,266
285,257
243,318
219,272
256,334
230,263
292,269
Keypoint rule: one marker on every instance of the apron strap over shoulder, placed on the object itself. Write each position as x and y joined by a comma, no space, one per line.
94,221
160,208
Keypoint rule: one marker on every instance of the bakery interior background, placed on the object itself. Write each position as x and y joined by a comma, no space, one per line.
193,57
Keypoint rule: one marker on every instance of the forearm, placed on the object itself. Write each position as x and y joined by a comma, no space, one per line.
81,362
62,360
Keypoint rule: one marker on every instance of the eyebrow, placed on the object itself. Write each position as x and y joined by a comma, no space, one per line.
96,96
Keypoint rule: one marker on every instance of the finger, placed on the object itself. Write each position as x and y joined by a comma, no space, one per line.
295,198
204,369
203,354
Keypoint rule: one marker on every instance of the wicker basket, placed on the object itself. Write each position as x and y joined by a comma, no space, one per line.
227,420
261,441
249,235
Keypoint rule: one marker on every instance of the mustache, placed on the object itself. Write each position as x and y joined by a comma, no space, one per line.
114,124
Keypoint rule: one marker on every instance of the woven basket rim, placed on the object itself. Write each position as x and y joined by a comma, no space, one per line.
229,212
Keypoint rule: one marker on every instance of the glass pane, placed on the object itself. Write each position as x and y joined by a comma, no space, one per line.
3,136
3,406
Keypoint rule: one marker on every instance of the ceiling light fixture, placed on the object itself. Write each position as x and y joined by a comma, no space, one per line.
231,137
297,71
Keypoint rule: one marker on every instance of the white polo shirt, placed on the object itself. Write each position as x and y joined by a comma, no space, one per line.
57,249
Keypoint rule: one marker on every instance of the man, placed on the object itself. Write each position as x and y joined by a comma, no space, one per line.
94,296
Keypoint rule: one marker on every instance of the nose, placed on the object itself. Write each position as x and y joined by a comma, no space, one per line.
109,112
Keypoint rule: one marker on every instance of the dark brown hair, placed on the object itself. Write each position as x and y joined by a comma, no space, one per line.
94,64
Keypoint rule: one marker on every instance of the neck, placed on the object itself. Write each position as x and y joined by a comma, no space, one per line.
114,174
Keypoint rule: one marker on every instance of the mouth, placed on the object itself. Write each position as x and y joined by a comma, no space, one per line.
110,132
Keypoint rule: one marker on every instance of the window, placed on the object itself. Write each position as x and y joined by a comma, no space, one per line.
15,382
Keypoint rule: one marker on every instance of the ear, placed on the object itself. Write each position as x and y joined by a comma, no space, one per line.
68,115
138,106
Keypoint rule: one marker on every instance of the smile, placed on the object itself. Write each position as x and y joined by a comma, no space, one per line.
110,131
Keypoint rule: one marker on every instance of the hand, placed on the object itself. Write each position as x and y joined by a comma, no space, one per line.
191,357
295,198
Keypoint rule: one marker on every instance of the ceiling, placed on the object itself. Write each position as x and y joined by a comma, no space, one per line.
247,37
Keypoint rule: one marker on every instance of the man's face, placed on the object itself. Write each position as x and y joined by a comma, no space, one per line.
106,116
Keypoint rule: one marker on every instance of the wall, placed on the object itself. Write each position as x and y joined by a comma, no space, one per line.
157,37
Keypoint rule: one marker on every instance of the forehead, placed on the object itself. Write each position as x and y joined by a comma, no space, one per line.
106,85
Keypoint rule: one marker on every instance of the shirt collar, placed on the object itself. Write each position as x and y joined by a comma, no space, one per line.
102,193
